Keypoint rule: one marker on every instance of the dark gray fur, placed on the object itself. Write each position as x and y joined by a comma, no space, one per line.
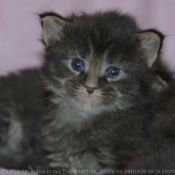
21,112
110,134
160,154
106,135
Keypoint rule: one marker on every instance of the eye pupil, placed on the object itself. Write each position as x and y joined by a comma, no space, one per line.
77,64
112,72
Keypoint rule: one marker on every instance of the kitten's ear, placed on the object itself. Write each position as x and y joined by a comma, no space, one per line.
53,25
151,42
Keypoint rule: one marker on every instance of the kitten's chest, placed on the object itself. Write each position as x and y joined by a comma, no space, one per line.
65,147
63,134
76,130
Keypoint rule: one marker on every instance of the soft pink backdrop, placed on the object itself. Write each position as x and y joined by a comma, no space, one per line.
20,28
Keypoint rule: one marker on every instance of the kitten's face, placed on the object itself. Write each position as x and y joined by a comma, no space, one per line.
95,68
90,81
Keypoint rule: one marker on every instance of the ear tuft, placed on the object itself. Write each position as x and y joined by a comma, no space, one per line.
151,42
53,25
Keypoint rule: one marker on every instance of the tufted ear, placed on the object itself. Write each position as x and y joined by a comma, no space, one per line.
151,42
53,25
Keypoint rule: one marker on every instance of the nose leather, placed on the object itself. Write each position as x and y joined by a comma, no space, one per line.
90,90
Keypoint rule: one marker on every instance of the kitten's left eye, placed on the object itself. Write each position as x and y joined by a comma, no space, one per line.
112,72
77,64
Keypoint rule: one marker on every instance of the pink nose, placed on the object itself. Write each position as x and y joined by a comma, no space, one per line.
90,90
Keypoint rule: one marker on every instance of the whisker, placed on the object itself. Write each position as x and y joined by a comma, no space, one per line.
41,100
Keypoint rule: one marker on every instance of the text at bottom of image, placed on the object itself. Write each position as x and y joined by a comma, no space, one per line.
81,171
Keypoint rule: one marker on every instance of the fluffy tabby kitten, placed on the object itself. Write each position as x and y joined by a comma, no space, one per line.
159,156
98,68
96,75
21,112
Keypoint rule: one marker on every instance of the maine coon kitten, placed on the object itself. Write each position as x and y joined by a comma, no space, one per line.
22,103
98,68
159,157
21,112
160,154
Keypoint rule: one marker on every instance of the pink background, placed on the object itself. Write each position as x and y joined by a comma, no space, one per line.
20,28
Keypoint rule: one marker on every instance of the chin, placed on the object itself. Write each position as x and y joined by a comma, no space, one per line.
87,103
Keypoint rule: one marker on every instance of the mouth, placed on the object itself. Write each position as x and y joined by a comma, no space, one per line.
87,101
95,92
86,95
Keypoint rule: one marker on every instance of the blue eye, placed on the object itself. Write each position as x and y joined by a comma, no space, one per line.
112,72
77,64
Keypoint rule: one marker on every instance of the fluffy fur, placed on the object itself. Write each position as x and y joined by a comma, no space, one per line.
21,112
160,154
109,128
159,157
105,130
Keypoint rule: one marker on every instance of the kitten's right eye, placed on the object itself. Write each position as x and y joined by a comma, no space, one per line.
77,64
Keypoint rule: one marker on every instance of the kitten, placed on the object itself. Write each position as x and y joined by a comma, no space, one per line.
160,154
21,112
98,68
23,101
159,157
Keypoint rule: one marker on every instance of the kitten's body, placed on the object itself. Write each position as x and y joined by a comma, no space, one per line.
21,113
160,154
99,144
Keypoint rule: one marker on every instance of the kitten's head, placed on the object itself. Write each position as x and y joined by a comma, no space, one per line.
99,61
